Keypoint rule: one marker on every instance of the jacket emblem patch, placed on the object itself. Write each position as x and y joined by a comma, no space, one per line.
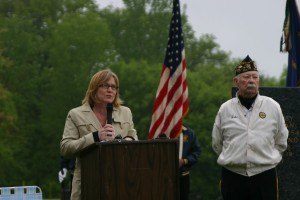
185,138
262,115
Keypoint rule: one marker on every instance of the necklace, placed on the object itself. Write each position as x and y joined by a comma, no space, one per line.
101,117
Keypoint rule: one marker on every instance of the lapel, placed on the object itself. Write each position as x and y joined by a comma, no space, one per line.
90,116
115,115
255,112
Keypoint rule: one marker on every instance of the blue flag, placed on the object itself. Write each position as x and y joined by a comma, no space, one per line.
291,40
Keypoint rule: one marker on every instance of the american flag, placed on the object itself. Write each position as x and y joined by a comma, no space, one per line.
171,103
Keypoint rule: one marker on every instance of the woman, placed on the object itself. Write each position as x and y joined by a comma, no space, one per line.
86,124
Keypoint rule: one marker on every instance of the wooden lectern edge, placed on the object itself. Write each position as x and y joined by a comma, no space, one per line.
85,149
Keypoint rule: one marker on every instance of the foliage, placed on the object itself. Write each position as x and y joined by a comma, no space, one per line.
139,82
9,141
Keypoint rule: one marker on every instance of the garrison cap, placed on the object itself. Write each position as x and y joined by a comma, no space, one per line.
245,66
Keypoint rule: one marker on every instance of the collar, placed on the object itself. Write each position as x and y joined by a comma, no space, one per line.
258,100
247,102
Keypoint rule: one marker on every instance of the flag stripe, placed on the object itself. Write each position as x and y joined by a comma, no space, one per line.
166,115
171,106
171,103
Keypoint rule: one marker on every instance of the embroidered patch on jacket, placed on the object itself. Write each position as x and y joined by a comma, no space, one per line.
185,138
262,115
88,127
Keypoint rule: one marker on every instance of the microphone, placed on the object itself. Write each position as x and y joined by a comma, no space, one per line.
162,136
109,109
118,137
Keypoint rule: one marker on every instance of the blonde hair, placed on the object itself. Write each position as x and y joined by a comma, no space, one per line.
98,79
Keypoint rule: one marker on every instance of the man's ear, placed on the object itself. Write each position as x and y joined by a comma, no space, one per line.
235,81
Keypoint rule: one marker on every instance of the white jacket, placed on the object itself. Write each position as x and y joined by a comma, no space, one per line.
249,145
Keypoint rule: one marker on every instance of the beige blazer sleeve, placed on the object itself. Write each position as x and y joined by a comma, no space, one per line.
78,132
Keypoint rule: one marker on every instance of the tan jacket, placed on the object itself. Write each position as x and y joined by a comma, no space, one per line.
80,124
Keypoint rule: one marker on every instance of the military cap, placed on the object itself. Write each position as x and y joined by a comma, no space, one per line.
245,66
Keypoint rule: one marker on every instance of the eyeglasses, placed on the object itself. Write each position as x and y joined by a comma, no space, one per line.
106,86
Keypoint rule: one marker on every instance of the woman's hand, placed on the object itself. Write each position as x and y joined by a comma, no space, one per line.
107,133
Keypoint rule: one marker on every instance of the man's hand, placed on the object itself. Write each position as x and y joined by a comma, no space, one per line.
62,175
182,162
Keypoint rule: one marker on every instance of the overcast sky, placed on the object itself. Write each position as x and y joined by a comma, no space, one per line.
240,26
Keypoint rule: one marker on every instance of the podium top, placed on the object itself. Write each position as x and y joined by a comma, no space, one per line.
126,142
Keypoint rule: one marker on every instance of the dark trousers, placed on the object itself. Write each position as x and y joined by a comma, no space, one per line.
184,187
66,188
262,186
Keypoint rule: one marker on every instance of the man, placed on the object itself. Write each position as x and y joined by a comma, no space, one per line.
249,136
65,177
190,154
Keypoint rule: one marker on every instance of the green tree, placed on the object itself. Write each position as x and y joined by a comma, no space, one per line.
9,141
23,48
28,31
141,29
205,51
138,85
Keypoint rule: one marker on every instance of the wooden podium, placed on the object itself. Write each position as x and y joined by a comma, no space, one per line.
120,170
